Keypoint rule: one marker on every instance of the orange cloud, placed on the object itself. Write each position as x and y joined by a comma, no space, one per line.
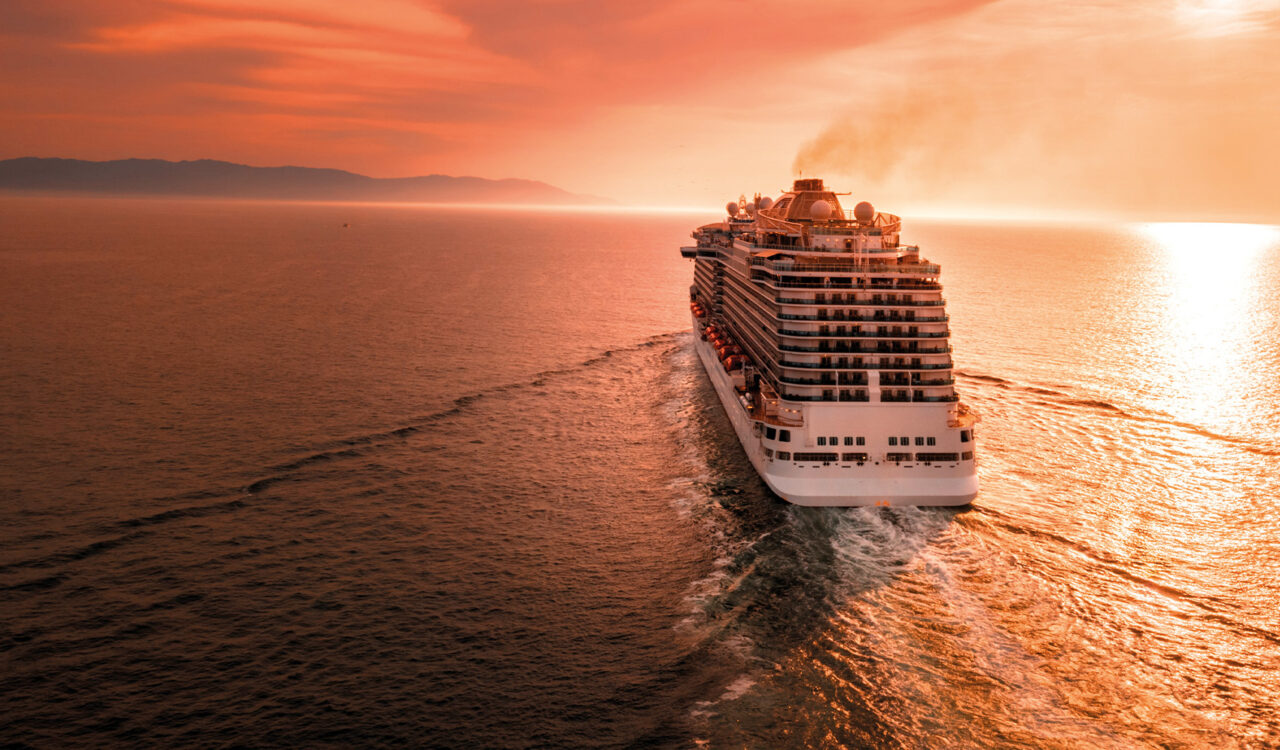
1164,106
385,86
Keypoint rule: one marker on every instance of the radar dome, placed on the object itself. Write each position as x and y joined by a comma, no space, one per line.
732,208
864,212
820,210
750,208
765,203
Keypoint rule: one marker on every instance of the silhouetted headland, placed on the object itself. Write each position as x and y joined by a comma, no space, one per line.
210,178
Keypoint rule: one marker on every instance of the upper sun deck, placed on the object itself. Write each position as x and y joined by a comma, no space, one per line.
809,219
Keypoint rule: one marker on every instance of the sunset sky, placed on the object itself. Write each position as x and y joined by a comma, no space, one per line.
1165,109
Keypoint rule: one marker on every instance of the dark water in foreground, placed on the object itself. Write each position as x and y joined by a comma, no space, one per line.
455,478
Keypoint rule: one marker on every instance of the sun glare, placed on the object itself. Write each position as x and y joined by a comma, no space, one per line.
1224,17
1234,241
1210,314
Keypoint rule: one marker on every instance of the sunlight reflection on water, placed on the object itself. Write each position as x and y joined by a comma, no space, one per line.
1213,318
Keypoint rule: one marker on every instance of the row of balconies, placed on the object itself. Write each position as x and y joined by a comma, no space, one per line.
868,302
835,283
841,316
866,365
878,347
914,397
860,378
846,378
840,333
858,267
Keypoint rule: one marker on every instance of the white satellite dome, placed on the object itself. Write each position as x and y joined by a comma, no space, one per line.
820,210
766,203
750,208
732,208
864,212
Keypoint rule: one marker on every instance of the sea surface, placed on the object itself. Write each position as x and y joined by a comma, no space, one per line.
279,475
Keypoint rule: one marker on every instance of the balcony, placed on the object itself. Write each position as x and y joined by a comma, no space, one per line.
807,381
933,383
899,397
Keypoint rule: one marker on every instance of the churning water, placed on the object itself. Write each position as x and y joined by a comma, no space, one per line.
454,478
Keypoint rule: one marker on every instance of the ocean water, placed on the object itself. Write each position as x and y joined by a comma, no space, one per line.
331,475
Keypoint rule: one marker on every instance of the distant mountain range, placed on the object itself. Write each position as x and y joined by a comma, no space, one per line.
206,177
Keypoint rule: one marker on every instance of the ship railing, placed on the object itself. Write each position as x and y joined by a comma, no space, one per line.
868,334
769,409
898,320
788,266
863,303
860,396
883,222
798,248
845,285
882,350
867,366
845,222
809,381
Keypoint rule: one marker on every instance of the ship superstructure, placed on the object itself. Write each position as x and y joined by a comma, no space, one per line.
827,341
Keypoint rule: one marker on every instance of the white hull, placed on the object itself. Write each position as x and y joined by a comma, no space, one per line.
875,482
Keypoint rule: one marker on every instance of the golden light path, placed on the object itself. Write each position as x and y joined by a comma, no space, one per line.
1211,315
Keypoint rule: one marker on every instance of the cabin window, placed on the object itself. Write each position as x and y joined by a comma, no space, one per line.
919,441
822,441
768,453
770,433
859,457
833,440
897,457
784,436
967,455
903,440
893,441
931,441
862,440
848,441
964,436
816,457
784,456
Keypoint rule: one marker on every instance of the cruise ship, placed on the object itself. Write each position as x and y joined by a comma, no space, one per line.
827,342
